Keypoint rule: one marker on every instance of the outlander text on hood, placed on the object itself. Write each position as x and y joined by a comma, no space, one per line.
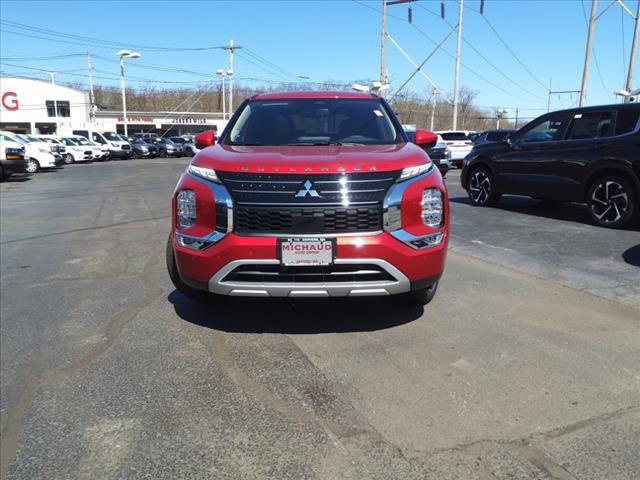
310,194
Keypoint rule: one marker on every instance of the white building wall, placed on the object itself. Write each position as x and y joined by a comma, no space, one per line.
23,101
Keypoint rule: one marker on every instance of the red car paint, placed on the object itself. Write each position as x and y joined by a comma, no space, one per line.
200,266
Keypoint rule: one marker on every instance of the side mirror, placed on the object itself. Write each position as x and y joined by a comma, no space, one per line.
425,139
205,139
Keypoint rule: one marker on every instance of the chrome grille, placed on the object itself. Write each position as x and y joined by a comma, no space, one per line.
301,203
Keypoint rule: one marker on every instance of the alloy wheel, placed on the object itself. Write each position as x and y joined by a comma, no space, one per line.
32,166
609,202
480,187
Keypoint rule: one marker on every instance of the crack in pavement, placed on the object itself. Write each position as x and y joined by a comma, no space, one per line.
33,379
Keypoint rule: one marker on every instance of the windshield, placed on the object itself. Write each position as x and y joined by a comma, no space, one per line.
314,122
22,139
33,139
82,141
69,142
113,137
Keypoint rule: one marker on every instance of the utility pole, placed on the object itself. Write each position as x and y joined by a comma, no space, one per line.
383,37
91,97
231,48
632,60
516,125
549,97
457,77
433,107
587,55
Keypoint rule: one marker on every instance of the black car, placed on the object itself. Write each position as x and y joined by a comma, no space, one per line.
167,148
12,161
497,135
142,149
589,155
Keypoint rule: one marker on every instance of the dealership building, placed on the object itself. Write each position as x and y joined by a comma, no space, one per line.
36,106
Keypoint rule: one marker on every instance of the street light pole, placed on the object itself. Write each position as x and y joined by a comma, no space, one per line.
122,54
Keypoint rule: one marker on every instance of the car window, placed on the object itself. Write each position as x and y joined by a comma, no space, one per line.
543,130
314,121
97,138
591,125
454,136
627,121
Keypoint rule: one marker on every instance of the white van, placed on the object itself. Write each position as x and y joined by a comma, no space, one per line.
118,148
81,150
37,154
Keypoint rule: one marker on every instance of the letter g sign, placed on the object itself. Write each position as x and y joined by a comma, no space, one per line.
10,100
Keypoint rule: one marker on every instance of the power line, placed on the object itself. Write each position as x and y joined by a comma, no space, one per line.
97,42
506,45
481,77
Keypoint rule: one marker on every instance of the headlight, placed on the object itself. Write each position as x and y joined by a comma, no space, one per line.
411,172
432,207
186,209
207,173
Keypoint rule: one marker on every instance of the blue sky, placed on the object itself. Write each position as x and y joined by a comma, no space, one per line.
332,40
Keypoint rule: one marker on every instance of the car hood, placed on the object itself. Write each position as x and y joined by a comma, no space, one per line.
321,159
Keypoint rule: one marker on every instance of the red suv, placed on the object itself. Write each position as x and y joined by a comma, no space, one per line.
310,194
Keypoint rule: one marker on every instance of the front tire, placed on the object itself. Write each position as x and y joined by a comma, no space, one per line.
135,155
481,187
612,202
422,297
32,165
186,290
69,159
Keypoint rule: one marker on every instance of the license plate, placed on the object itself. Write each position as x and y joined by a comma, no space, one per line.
296,252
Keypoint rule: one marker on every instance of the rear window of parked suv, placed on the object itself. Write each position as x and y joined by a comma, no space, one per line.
627,121
454,136
591,125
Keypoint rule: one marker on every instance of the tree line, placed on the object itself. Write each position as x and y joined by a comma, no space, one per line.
411,107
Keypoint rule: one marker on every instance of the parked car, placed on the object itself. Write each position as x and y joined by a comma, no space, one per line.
56,146
11,158
315,194
587,155
76,152
142,149
497,135
167,148
458,143
37,153
117,147
188,146
98,152
437,153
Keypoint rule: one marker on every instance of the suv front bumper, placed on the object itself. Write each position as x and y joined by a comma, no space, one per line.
405,268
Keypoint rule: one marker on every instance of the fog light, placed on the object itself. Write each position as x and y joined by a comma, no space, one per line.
432,207
428,241
186,209
190,242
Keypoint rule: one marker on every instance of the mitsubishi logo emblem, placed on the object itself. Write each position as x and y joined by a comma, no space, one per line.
307,190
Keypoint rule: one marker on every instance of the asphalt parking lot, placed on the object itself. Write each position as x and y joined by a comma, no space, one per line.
525,366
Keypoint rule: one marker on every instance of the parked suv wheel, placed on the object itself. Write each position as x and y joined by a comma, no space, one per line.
32,165
611,200
481,187
182,287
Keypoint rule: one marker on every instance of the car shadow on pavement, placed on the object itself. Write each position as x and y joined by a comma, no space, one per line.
17,178
300,316
632,256
567,211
